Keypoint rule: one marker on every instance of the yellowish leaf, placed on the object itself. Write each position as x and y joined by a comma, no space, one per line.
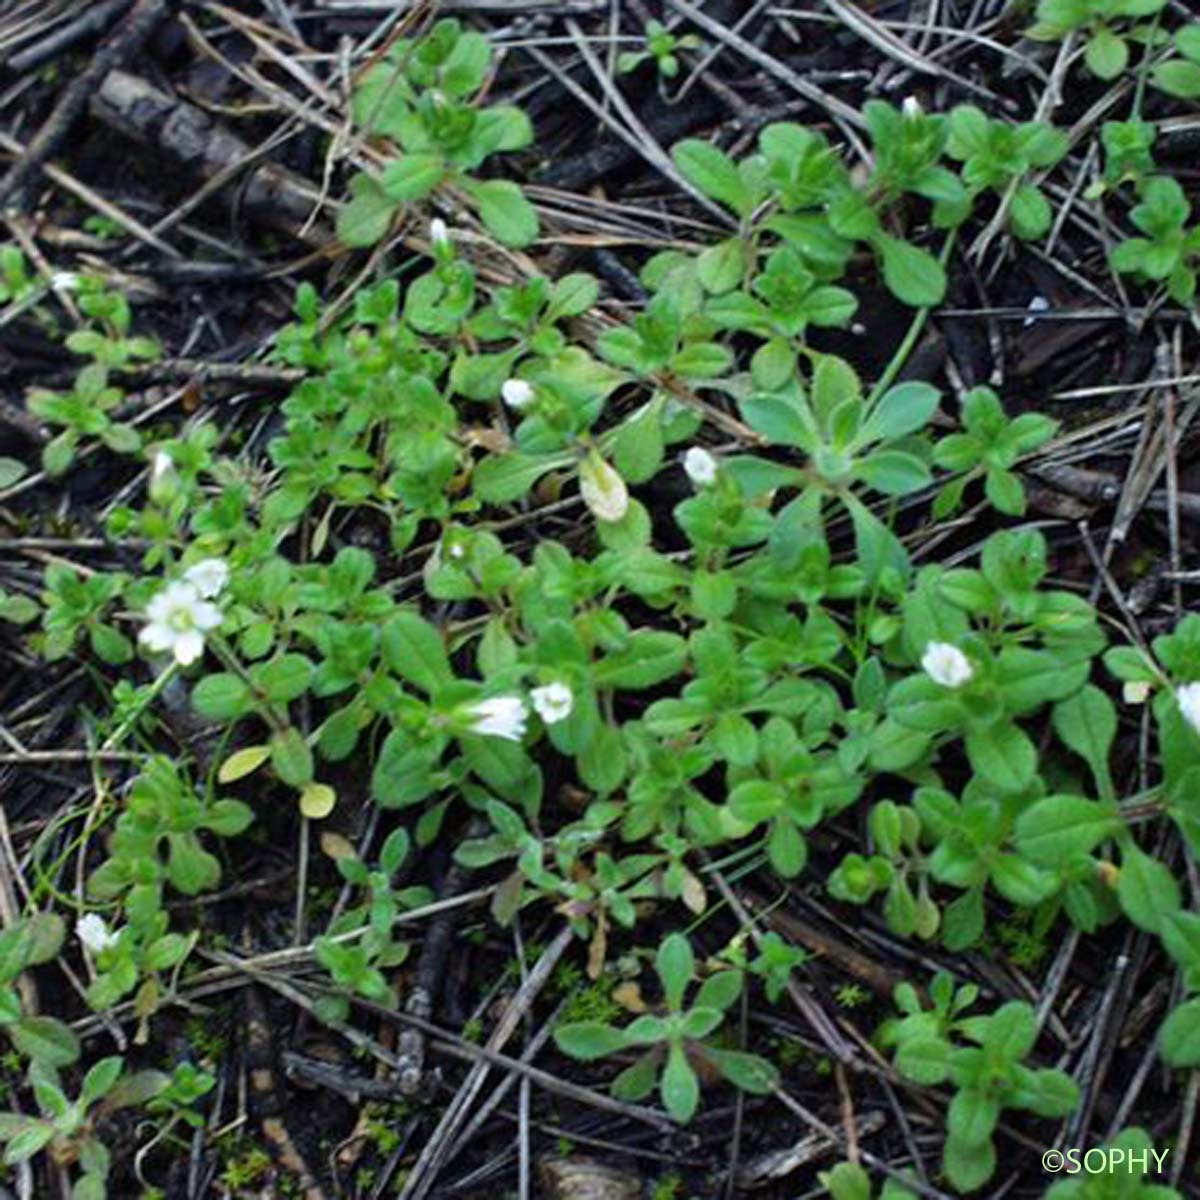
242,763
317,800
335,846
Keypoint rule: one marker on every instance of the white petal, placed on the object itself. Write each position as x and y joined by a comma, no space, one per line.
157,637
499,716
603,490
206,616
946,664
159,607
700,466
553,702
517,393
438,233
188,647
1188,698
208,577
93,932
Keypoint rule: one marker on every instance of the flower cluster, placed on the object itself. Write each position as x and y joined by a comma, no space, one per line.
508,716
179,617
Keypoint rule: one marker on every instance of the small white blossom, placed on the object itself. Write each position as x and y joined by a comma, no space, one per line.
553,702
64,281
946,664
208,577
177,620
499,716
602,488
439,235
1188,697
700,466
1039,304
164,479
517,393
912,107
93,931
1135,691
458,550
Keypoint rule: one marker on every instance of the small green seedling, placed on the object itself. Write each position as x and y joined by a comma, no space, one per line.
675,1043
662,46
988,1074
1103,23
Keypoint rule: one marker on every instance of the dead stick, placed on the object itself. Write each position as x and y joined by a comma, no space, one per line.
95,20
124,43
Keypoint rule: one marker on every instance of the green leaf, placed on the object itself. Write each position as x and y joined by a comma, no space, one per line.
100,1079
502,478
969,1165
1087,723
283,679
1179,1037
901,410
925,1060
414,650
1057,829
242,763
109,645
679,1087
588,1040
222,697
1177,78
720,991
675,965
45,1040
190,868
912,275
746,1071
650,657
291,757
714,173
1003,755
1029,213
228,818
1107,54
1147,890
412,177
847,1181
367,216
893,472
704,360
505,211
25,1143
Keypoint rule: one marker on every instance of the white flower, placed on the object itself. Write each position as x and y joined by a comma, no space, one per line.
1188,697
208,577
700,466
438,233
177,620
946,664
602,488
164,479
458,550
553,702
64,281
93,931
1039,304
912,107
517,393
500,716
